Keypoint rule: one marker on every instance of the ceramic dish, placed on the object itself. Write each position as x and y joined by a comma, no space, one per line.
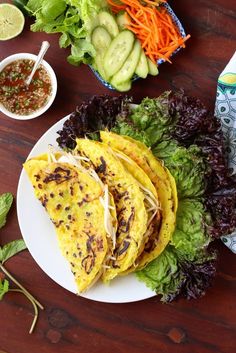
52,76
160,61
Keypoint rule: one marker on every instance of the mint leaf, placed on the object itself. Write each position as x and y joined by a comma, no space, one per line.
4,287
5,205
11,249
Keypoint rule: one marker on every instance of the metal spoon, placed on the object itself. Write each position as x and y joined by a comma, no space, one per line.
44,47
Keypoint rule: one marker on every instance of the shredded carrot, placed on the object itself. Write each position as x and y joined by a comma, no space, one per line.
115,7
152,25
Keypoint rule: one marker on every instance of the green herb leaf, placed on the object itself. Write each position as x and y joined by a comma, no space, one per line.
64,40
33,6
5,205
4,287
11,249
52,9
82,51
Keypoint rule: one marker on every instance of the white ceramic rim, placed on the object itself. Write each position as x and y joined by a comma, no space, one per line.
53,78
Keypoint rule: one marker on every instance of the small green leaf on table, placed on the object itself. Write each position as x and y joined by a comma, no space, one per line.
4,288
5,205
11,249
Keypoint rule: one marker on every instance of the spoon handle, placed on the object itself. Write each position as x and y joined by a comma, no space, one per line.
44,47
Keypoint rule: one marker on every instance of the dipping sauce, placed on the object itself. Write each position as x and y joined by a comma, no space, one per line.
15,96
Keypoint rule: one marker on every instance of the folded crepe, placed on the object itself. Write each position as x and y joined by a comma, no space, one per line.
132,215
151,202
72,199
165,188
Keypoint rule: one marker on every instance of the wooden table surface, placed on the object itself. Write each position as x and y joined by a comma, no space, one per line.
73,324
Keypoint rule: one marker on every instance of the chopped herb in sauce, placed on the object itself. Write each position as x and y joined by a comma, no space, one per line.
15,96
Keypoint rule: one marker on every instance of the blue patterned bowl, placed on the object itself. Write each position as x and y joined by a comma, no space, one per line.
160,61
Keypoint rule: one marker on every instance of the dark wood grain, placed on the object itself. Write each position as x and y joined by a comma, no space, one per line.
73,324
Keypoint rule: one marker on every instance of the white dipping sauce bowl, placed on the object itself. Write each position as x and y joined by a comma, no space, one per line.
51,73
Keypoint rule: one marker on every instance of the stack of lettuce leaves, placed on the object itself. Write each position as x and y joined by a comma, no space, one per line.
73,19
181,132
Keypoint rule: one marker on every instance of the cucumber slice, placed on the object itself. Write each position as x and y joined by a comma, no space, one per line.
121,87
98,66
118,51
122,20
128,68
101,39
108,21
142,67
152,68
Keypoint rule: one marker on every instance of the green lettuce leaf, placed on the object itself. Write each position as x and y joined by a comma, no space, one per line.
186,165
152,117
128,129
33,6
64,40
190,238
185,267
51,9
170,276
81,51
162,275
89,9
52,26
152,124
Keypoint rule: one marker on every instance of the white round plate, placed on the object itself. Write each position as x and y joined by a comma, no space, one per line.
40,238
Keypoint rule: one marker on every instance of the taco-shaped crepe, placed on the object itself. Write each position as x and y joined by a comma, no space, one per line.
129,200
72,199
150,198
165,187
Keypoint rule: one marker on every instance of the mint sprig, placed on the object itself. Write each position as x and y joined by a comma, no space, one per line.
6,252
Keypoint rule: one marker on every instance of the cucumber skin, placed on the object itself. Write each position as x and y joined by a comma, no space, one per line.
142,68
129,65
95,38
152,68
111,27
111,53
122,87
100,48
99,67
121,20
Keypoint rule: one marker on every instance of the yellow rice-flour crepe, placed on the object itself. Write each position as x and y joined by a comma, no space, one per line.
129,199
151,200
165,187
72,200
